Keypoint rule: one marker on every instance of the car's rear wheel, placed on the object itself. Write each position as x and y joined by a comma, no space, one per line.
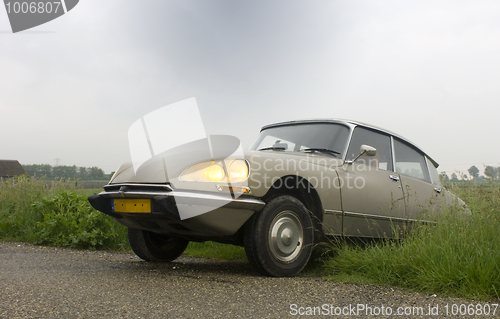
279,239
155,247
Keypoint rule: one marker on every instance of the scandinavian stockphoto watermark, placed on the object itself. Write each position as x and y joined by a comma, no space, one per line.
311,172
25,15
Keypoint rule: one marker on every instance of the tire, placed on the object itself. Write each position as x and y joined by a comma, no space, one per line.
279,239
151,246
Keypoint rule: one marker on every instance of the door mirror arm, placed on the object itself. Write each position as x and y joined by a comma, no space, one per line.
365,150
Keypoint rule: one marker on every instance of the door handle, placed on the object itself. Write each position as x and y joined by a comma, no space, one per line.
394,178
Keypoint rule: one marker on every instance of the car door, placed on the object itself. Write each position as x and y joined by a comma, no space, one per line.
422,191
372,197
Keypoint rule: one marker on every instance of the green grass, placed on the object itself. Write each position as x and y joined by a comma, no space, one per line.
89,191
458,256
55,214
212,249
17,216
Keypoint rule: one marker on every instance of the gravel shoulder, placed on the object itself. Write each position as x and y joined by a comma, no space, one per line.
47,282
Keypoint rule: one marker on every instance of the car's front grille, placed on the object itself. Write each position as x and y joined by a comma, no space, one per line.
131,187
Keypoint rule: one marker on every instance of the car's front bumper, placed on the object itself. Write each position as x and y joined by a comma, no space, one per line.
184,213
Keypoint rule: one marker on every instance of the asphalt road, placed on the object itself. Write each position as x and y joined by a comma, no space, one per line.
45,282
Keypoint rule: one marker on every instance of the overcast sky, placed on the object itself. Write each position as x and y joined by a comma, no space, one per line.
427,70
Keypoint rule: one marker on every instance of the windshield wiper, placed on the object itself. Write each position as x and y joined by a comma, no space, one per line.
274,148
322,150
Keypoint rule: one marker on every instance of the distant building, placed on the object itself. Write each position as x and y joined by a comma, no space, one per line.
10,168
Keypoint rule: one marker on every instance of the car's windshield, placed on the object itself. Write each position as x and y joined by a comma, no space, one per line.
327,139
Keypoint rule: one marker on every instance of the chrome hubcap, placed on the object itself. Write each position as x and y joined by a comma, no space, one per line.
286,236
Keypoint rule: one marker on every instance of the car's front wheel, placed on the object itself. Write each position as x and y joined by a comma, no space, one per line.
155,247
279,238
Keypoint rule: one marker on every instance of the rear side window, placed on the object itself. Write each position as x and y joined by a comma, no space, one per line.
410,162
433,172
382,142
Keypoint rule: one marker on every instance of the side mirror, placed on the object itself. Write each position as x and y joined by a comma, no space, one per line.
365,150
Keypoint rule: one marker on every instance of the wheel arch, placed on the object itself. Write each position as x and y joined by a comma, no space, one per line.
300,188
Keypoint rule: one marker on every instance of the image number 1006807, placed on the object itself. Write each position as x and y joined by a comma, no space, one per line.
28,14
33,7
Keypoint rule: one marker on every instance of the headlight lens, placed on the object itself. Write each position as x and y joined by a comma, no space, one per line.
214,171
238,171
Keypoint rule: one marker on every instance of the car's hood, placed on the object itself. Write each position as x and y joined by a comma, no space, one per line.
150,172
169,165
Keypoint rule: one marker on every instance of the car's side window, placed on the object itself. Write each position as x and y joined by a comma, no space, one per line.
433,171
410,162
382,142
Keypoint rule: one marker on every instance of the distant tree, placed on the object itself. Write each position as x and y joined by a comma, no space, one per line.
71,171
481,179
96,173
82,173
39,170
491,172
57,171
454,178
474,172
65,172
443,177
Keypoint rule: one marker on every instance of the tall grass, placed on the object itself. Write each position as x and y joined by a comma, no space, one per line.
17,216
56,214
458,256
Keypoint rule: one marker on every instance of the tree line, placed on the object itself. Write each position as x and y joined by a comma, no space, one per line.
64,172
490,174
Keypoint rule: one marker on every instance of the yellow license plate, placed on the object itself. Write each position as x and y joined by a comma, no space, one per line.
132,205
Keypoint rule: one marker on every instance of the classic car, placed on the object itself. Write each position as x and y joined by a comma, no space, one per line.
299,183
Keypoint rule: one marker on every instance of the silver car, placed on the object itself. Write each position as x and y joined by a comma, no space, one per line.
299,183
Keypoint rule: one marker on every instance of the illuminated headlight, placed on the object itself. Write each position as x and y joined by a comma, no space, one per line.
237,171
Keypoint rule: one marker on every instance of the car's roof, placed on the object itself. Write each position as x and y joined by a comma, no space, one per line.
351,124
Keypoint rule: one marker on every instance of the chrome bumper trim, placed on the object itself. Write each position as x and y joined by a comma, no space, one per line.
167,187
193,198
133,194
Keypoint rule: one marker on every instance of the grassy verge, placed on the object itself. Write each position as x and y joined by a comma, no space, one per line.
55,214
459,256
58,214
212,249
